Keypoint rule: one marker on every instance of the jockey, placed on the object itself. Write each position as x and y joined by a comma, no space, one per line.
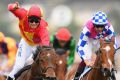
7,47
64,40
34,33
96,28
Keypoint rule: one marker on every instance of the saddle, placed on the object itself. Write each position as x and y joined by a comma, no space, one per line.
21,71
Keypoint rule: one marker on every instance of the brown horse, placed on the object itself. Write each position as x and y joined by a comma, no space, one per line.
70,74
61,68
43,68
103,67
2,77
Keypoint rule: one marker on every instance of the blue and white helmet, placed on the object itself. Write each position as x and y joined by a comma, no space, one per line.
100,18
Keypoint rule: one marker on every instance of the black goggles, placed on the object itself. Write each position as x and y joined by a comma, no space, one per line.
99,26
33,19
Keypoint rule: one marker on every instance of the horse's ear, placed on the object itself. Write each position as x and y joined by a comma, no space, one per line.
113,39
101,40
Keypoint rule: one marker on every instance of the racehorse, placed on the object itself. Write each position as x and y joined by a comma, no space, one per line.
103,68
2,77
70,74
61,68
43,68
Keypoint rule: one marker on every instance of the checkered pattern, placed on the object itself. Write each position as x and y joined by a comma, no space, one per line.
82,41
85,36
100,18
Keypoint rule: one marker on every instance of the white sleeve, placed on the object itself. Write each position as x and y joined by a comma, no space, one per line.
82,42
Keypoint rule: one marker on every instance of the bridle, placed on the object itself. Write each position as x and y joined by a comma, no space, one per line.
110,73
43,70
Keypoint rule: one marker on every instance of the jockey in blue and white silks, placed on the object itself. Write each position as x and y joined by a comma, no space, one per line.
95,28
90,36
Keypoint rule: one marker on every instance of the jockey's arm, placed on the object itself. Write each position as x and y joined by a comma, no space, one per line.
71,52
44,35
51,40
111,35
17,11
80,47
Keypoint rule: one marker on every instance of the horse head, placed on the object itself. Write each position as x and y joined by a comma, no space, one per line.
106,58
44,64
61,63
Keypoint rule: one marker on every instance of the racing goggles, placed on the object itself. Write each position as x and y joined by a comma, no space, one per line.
33,19
99,26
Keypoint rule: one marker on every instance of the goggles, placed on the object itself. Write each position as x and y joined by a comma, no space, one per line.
99,26
33,19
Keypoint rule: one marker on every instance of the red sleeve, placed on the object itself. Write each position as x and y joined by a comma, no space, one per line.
20,12
45,39
44,34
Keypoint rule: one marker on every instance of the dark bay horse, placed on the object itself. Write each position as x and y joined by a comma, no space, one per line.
43,68
103,68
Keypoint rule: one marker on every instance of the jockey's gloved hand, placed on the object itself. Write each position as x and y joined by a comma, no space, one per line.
36,51
89,62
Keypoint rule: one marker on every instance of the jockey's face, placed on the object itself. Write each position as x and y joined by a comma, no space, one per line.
62,43
99,28
33,22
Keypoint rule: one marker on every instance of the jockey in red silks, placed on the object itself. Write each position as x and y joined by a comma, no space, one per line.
96,28
33,30
63,39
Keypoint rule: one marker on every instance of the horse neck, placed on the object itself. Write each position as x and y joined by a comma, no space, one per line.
95,73
34,69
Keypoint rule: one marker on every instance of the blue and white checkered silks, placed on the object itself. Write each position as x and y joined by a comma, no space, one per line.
100,18
85,45
82,48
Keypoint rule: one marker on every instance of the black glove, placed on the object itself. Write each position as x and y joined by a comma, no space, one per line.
35,53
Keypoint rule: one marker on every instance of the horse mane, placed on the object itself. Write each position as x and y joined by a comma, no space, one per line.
39,49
